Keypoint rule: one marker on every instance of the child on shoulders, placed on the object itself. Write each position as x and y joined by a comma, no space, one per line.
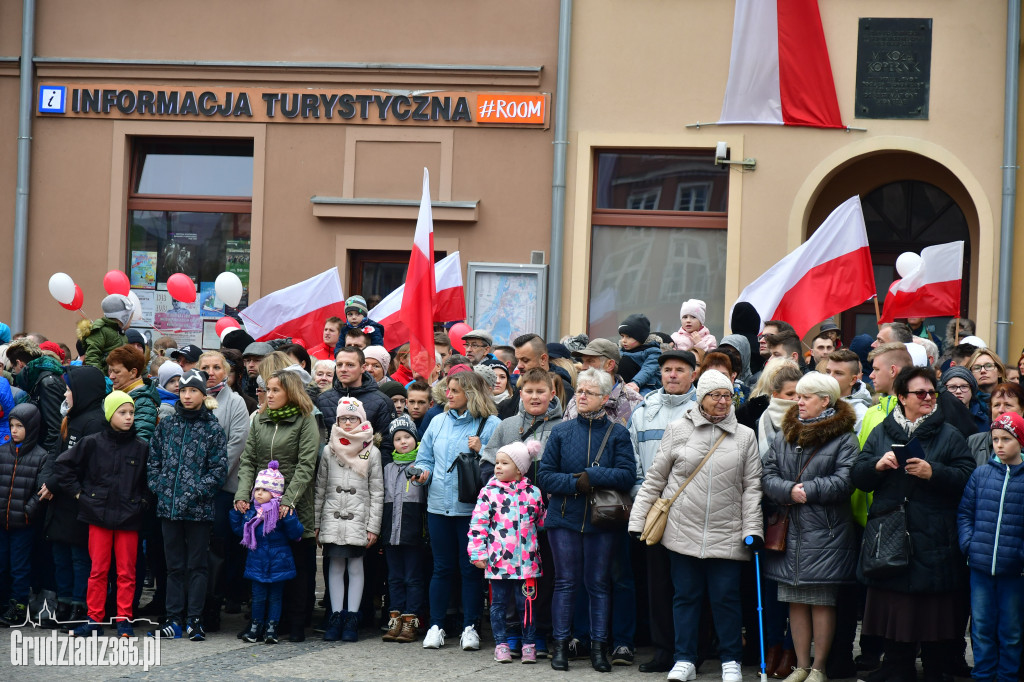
692,334
639,365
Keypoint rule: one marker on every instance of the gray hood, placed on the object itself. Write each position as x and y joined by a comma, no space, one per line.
741,344
860,395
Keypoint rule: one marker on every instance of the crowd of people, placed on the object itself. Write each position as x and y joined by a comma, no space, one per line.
878,482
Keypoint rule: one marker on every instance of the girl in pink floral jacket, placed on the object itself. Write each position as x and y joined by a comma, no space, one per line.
503,541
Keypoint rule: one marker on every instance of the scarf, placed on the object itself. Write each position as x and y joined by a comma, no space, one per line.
908,426
713,420
281,414
825,414
596,414
352,448
770,422
410,456
268,513
215,390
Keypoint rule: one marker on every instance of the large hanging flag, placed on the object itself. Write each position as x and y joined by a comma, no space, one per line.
933,289
779,71
449,304
297,311
418,298
825,275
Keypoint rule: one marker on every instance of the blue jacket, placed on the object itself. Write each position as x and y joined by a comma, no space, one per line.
272,560
991,519
188,463
445,438
374,329
6,405
648,377
571,449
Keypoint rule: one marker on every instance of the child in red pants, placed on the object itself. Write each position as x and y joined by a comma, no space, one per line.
106,472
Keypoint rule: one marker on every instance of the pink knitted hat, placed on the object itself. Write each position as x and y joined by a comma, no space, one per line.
521,454
271,480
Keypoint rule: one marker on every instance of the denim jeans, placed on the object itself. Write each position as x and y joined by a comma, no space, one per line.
16,562
996,613
449,538
504,593
720,578
587,558
266,602
72,566
405,578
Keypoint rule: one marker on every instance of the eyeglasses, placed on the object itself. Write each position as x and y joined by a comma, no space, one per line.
589,394
720,397
475,346
348,420
987,367
922,394
958,388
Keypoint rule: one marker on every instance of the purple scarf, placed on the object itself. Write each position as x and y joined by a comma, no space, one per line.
268,513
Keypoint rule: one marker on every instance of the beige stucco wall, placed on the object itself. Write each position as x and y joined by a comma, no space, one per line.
643,69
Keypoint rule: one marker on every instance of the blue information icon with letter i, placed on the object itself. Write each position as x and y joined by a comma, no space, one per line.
52,99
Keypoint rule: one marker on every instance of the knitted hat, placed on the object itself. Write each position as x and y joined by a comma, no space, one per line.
404,423
1012,423
637,327
559,350
356,303
351,406
695,307
521,454
487,374
379,354
712,380
958,372
393,388
461,367
574,343
50,346
168,371
113,401
238,339
271,480
134,336
193,379
118,307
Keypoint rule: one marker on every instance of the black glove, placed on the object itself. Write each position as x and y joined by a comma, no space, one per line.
754,542
636,536
582,482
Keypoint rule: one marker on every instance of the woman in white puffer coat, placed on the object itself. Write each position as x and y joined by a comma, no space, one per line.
349,504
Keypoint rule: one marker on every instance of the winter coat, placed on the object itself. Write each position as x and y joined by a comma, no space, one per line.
648,376
295,443
404,507
571,449
513,429
21,472
347,505
167,402
233,417
187,464
991,519
43,380
147,405
619,406
648,423
108,471
88,388
272,560
821,542
931,506
380,410
721,505
503,530
860,400
445,438
980,445
103,336
742,346
683,341
6,405
372,328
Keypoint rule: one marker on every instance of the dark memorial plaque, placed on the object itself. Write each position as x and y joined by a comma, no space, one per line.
894,65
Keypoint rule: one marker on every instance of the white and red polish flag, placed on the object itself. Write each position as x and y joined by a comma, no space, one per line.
449,304
825,275
931,290
297,311
417,312
779,71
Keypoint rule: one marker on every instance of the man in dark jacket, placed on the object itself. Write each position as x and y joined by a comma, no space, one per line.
350,381
41,376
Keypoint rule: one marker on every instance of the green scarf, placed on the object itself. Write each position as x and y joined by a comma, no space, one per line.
26,379
282,414
407,457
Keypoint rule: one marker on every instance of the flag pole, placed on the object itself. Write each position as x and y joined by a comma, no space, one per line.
878,314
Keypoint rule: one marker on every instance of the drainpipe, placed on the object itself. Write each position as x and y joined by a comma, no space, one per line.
558,176
26,99
1009,178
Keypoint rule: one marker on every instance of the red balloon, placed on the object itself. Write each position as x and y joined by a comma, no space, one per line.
456,333
224,323
116,282
76,302
181,288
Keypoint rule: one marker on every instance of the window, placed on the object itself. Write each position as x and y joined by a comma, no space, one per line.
189,211
648,257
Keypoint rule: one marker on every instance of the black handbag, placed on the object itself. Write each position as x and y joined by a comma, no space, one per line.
468,466
609,508
887,549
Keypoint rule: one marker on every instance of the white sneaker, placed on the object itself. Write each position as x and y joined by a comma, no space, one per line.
683,670
469,640
731,671
434,638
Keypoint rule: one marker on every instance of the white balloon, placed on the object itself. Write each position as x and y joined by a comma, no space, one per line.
907,263
228,288
62,287
136,306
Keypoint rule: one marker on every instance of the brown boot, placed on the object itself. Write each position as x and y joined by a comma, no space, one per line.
410,628
787,663
394,627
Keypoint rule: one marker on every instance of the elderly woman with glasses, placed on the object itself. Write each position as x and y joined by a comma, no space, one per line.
587,452
915,605
709,523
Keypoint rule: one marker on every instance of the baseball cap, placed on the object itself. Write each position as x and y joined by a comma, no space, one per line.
601,348
189,353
